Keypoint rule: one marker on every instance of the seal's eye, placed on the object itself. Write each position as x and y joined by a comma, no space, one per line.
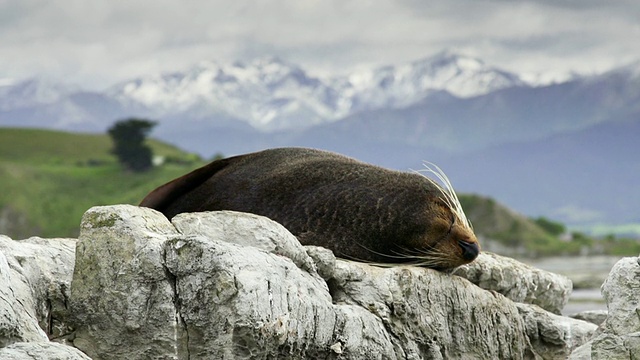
453,222
444,229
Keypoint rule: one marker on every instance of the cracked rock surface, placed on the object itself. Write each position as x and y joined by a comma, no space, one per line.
41,351
35,277
618,337
228,285
517,281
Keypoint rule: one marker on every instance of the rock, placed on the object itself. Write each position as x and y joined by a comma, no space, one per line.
233,285
429,314
619,335
18,321
517,281
593,316
583,352
41,351
237,301
621,291
38,278
554,336
122,296
324,260
245,229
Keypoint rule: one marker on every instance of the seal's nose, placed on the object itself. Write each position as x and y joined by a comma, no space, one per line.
469,250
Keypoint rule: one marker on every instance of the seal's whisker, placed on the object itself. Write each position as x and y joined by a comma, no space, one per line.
430,251
450,196
418,251
406,252
379,264
429,258
397,256
425,261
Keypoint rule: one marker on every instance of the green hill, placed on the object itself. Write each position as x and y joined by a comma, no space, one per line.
511,230
50,178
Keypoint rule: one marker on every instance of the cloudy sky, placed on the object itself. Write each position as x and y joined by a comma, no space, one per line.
99,42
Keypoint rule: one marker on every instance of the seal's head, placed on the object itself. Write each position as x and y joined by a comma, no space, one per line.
446,238
451,239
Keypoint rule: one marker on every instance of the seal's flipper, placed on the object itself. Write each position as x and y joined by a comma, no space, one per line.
160,198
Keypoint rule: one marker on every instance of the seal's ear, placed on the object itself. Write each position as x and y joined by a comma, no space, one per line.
160,198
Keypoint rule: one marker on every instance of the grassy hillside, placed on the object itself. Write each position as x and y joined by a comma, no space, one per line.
521,236
49,179
511,229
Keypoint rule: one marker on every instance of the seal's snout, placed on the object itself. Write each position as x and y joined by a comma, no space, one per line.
469,250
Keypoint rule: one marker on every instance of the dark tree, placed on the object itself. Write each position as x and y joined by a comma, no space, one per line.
128,139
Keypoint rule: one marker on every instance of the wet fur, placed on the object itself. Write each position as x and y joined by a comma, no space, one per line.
360,211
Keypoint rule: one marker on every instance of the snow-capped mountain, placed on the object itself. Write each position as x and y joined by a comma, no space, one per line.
268,93
399,86
32,92
271,94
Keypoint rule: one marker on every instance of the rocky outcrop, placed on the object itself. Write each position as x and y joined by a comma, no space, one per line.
17,310
554,336
618,337
593,316
232,285
517,281
41,351
35,278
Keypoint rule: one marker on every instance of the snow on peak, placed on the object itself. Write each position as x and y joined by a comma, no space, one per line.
547,78
450,58
402,85
33,91
261,92
273,94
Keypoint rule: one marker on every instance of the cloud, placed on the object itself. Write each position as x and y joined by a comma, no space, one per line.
104,41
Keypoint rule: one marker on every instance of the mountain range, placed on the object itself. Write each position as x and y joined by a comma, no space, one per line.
564,148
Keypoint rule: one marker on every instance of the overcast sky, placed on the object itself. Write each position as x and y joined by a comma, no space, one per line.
96,43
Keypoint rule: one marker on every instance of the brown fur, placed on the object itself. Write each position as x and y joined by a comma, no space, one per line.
359,211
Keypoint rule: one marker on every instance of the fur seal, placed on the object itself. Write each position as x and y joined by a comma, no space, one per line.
360,211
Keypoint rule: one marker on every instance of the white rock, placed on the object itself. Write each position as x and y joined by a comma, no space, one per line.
593,316
583,352
38,278
18,321
324,260
122,298
554,336
619,335
41,351
222,285
621,291
430,314
238,301
245,229
517,281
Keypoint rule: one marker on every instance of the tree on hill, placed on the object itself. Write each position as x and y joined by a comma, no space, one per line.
128,137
